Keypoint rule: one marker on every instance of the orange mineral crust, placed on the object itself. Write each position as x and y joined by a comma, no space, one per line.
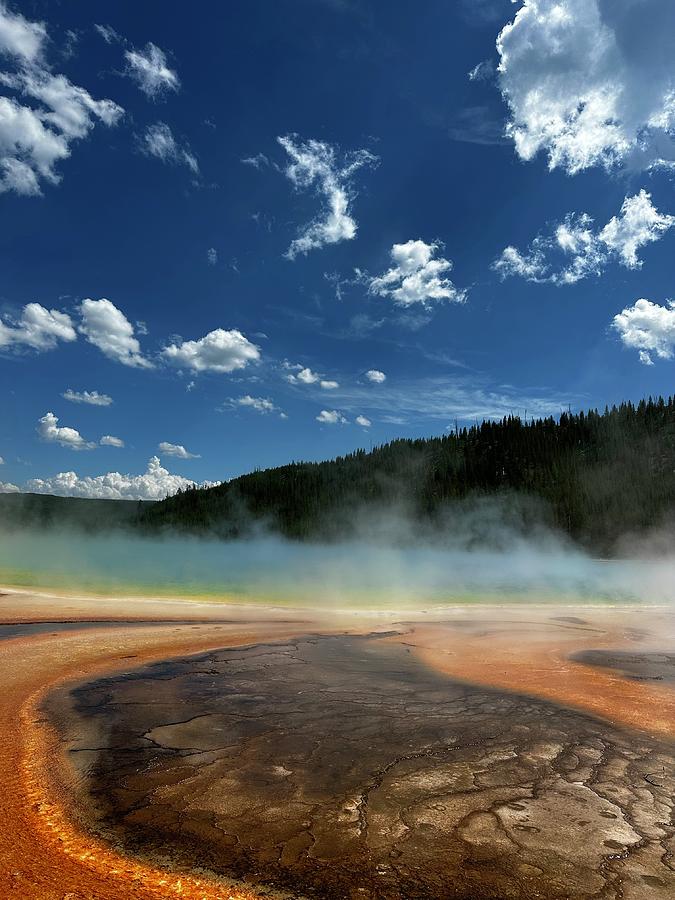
531,651
42,853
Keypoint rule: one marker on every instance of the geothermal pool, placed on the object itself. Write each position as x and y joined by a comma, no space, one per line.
352,574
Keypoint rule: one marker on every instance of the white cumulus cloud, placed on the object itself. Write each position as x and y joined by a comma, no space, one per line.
577,249
106,327
417,276
92,398
375,376
158,141
212,256
150,70
38,328
50,430
109,440
6,487
36,136
155,484
590,82
648,328
177,450
298,374
218,351
363,421
315,165
331,417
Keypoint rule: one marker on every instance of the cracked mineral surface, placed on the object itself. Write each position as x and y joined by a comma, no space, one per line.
343,767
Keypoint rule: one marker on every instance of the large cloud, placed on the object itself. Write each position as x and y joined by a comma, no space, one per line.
155,484
107,328
648,328
418,276
580,250
315,166
35,138
591,82
38,328
218,351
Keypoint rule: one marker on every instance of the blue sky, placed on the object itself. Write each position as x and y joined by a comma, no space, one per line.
277,198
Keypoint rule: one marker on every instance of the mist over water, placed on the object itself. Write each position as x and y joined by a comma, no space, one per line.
377,573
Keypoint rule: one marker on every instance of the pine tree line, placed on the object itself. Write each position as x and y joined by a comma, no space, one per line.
595,476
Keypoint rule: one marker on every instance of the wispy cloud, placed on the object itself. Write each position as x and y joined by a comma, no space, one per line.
316,165
470,398
92,398
150,70
577,249
259,161
262,405
158,140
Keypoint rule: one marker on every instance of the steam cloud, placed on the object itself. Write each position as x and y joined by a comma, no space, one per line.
487,552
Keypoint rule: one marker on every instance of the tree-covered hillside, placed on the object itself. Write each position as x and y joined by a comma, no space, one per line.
47,511
595,476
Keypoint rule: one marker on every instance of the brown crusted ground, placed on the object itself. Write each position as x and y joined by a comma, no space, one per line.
341,767
43,855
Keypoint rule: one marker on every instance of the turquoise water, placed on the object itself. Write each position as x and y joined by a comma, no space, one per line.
290,572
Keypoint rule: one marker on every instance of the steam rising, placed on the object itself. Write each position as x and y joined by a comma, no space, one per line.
394,570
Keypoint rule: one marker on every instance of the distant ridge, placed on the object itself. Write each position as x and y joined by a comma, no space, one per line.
48,511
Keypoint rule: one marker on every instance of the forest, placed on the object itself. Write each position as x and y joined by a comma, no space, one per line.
595,476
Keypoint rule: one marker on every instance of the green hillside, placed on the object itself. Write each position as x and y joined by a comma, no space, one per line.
595,476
